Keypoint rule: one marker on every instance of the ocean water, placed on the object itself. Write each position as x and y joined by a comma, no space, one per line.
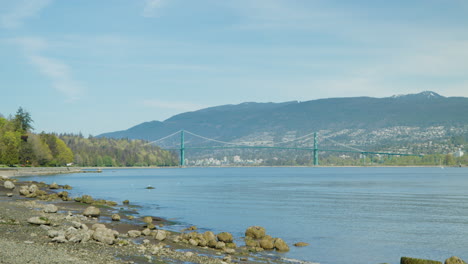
347,215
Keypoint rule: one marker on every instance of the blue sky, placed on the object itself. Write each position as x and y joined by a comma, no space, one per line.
98,66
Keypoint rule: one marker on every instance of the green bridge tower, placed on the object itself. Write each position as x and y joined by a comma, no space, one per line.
182,148
316,163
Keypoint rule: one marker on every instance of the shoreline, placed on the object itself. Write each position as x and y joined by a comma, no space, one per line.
16,210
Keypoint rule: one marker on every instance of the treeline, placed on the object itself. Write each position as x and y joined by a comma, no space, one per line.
19,146
106,152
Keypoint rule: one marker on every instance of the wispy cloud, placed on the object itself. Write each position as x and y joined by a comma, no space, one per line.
58,72
171,105
21,11
151,7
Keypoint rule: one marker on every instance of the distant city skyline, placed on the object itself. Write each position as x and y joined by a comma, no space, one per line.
101,66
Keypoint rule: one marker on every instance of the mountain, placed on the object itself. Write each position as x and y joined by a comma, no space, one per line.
369,117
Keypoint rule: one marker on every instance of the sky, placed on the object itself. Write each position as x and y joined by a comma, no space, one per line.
100,66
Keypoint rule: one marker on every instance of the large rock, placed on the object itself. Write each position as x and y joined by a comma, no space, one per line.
53,186
267,243
50,208
301,244
280,245
115,217
454,260
148,219
407,260
225,237
208,235
104,235
92,211
250,242
134,233
39,220
255,232
9,185
24,190
160,235
33,188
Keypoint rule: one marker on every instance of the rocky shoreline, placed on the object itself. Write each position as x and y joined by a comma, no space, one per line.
41,223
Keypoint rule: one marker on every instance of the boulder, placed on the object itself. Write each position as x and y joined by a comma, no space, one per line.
148,219
255,232
220,245
208,235
92,211
160,235
212,243
407,260
134,233
146,232
50,208
267,243
250,242
280,245
225,237
67,187
9,194
96,226
24,190
39,220
104,235
126,202
115,217
53,186
454,260
33,188
9,185
193,242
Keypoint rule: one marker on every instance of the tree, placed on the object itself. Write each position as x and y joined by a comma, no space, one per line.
23,120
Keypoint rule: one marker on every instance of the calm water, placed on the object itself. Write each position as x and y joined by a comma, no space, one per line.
348,215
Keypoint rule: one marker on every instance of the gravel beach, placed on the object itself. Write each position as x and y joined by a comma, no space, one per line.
39,223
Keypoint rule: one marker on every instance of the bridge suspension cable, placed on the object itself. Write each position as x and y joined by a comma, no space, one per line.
218,141
175,133
343,145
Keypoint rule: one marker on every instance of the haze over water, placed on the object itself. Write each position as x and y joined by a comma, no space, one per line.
348,215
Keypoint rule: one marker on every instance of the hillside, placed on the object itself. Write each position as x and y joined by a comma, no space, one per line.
357,120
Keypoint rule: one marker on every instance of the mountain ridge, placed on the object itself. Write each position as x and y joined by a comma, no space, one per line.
245,120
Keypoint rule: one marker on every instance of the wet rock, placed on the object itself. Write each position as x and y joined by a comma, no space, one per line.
454,260
9,185
92,211
231,245
63,195
250,242
225,237
212,243
50,208
255,232
115,217
280,245
126,202
134,233
39,220
33,188
407,260
267,243
192,228
301,244
53,186
67,187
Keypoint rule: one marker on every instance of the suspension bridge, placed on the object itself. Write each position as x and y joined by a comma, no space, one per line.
314,149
